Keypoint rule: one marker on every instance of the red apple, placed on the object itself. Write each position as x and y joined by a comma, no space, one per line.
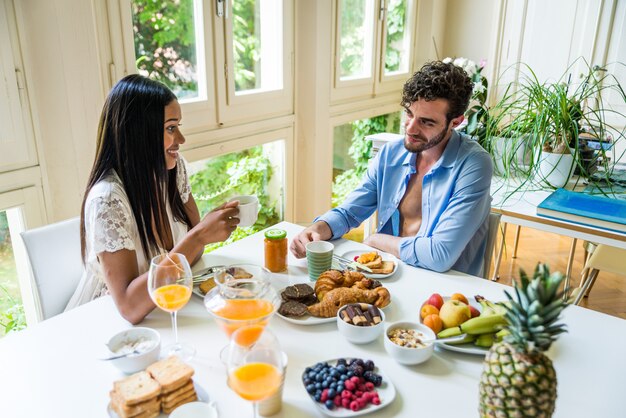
436,300
475,312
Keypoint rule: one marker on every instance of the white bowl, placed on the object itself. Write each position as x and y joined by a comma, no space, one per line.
406,355
150,348
360,334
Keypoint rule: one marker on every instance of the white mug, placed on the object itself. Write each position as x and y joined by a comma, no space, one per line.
248,209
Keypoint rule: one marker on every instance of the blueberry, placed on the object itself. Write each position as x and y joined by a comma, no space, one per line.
341,369
343,377
319,366
340,387
325,384
350,373
333,385
318,397
318,386
331,393
310,389
307,381
341,362
307,370
319,377
329,404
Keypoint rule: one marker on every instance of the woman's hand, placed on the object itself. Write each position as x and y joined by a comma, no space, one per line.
218,224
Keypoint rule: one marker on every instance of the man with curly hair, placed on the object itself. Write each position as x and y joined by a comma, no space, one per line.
431,189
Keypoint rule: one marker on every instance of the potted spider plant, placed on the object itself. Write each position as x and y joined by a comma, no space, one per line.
552,117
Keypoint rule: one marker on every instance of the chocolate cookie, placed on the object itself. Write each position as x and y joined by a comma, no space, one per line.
292,309
298,292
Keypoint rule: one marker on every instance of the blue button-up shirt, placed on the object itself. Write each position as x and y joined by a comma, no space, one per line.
455,204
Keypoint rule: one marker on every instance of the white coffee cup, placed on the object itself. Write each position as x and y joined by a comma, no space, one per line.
248,209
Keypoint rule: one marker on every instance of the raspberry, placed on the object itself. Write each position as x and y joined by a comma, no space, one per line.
349,385
358,393
369,386
355,379
376,400
345,402
356,258
354,405
337,400
362,402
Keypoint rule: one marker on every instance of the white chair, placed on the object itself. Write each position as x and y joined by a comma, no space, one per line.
492,233
54,255
605,258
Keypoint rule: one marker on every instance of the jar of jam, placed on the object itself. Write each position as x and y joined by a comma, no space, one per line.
276,250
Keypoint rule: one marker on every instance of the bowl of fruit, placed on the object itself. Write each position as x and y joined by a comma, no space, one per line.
360,323
409,343
347,387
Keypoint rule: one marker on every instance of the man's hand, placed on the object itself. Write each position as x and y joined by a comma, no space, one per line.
317,232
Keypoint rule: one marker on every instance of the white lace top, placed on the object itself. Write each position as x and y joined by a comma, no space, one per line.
110,226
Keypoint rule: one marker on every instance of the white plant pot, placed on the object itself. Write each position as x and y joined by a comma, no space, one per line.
510,156
555,169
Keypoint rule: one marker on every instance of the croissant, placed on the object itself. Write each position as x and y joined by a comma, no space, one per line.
339,297
332,279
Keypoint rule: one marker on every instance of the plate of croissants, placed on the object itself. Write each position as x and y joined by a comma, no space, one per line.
382,265
319,302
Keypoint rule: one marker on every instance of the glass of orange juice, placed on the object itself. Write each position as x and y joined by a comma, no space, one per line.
169,286
255,371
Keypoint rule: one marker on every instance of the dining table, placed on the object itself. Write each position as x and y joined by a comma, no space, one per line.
54,368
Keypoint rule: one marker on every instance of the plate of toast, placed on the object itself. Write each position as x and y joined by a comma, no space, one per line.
383,265
156,391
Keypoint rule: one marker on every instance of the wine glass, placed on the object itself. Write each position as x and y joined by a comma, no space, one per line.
169,286
255,364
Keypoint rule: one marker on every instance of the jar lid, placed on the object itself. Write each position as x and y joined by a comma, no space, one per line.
275,234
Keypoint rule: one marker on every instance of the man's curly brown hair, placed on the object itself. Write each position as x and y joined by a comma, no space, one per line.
437,80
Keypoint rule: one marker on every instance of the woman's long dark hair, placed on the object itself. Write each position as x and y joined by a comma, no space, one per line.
130,141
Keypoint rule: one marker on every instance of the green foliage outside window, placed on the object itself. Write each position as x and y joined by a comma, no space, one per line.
352,37
165,43
240,173
12,316
246,45
360,152
395,34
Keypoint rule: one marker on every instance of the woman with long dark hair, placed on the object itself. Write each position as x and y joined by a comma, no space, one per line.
138,200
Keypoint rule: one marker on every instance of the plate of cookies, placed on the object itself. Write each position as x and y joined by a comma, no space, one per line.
295,301
319,302
383,265
155,392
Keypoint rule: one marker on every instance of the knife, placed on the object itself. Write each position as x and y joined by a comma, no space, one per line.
206,272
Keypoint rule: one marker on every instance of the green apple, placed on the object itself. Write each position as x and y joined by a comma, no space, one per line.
453,313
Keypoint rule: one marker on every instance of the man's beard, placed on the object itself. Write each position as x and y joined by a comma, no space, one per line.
430,143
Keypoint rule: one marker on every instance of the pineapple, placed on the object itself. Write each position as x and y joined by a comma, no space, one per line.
518,379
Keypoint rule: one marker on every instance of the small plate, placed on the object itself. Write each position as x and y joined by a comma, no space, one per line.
203,396
195,410
386,393
468,348
386,257
307,319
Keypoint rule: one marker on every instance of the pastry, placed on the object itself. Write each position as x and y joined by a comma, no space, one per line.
338,297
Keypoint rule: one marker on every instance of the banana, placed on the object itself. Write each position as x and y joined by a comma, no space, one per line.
449,332
501,334
489,308
485,340
482,325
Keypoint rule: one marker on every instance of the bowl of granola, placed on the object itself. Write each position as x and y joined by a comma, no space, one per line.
408,342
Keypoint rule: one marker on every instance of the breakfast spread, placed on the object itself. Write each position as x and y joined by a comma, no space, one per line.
375,262
361,314
408,338
335,289
350,384
164,385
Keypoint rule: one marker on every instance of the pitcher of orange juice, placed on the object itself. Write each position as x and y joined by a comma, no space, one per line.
243,296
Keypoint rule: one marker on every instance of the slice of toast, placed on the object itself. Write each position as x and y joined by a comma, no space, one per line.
136,388
169,408
385,268
372,260
124,411
171,373
167,397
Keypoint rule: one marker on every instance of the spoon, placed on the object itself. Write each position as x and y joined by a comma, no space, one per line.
121,355
454,339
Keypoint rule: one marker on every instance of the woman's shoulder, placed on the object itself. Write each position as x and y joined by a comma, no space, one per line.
108,189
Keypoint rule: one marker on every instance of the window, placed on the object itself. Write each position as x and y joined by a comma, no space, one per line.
352,152
224,59
259,170
12,317
373,46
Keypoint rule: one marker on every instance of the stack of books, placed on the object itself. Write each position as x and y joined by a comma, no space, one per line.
585,209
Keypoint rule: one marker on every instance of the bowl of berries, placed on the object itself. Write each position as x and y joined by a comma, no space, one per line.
347,387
